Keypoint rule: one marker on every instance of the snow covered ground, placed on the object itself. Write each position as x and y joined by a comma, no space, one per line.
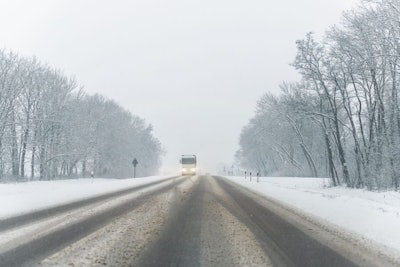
20,198
375,215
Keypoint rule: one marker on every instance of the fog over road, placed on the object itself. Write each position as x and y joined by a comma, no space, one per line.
182,221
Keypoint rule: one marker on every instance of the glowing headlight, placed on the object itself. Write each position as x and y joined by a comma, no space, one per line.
193,169
183,170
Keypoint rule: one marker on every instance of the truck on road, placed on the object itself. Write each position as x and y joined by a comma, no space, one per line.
188,164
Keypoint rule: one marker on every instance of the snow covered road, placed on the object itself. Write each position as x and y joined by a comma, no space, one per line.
37,237
182,221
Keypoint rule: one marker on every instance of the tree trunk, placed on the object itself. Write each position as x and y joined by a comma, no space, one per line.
23,153
14,147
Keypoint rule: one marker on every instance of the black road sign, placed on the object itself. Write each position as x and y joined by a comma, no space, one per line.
135,162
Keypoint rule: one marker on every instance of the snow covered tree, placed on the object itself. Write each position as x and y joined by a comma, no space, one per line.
49,124
351,87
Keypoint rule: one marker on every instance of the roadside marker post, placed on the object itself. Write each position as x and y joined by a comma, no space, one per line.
134,163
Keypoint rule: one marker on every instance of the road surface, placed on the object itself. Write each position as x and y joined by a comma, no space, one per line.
182,221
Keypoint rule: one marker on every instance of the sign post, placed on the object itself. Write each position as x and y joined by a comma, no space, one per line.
134,163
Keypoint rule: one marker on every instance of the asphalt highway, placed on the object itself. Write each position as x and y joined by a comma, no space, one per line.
281,243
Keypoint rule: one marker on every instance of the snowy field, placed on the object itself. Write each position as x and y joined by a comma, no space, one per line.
20,198
375,215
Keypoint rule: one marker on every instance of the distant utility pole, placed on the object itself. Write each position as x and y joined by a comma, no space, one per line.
134,163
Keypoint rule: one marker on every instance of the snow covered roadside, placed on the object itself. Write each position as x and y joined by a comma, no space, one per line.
21,198
375,215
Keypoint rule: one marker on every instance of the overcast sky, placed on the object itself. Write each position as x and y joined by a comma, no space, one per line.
193,69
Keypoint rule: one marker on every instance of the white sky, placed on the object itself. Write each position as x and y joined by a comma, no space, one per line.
194,69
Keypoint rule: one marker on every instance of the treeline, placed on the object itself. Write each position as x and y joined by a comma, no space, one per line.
342,119
49,128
